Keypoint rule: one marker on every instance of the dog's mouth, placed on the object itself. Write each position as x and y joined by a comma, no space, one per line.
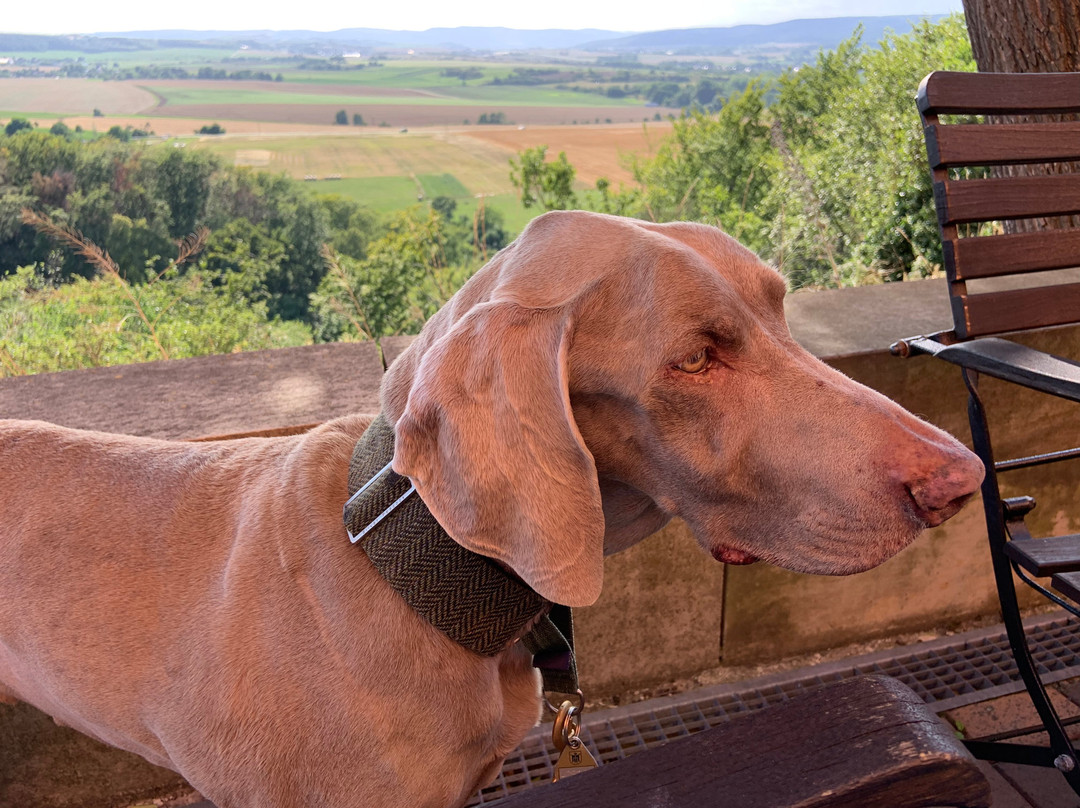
729,555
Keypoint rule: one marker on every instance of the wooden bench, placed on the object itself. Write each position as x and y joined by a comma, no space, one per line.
865,741
1003,150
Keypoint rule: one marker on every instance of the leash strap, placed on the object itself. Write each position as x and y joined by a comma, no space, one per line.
465,595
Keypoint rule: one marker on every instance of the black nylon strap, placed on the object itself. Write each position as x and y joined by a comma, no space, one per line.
465,595
551,642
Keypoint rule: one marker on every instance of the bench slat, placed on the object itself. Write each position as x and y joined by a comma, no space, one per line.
945,93
1011,253
1043,557
1019,309
986,200
1001,144
1068,584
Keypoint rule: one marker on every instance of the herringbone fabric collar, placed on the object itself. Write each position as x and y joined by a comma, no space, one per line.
465,595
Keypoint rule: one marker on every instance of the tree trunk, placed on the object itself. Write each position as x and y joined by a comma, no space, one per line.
1024,36
1027,36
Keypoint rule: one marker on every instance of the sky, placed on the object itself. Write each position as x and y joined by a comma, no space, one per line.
79,16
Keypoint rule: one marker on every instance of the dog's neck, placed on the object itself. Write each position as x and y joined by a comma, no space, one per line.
467,596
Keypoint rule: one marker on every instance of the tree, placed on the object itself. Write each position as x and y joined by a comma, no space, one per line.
357,119
341,118
17,125
181,178
1024,36
706,92
400,283
547,184
716,168
1027,36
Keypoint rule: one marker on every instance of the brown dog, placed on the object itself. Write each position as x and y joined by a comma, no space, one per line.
200,604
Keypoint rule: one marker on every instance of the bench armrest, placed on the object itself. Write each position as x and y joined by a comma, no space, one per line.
1003,359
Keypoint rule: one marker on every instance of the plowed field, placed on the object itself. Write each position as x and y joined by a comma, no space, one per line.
74,96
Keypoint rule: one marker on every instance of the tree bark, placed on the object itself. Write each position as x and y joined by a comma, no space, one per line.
1027,36
1024,36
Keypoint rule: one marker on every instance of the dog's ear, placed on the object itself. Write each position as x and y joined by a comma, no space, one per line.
489,440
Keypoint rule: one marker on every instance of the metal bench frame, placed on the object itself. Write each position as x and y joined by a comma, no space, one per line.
1024,119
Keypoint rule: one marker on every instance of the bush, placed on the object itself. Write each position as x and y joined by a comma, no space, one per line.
89,323
17,125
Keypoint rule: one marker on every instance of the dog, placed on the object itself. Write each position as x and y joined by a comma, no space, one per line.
200,604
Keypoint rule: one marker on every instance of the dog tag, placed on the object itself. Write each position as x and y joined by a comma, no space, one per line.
575,758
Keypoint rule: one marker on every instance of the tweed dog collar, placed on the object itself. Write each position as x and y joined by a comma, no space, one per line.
467,596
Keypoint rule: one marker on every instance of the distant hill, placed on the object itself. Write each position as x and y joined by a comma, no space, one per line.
465,38
809,34
816,33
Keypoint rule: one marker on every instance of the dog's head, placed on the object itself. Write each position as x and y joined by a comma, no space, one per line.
601,375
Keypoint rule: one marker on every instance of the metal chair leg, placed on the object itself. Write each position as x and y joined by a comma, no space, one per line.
1062,754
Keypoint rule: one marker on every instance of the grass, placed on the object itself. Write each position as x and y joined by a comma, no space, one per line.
257,94
531,96
389,194
7,115
383,194
274,93
393,193
442,185
479,167
197,56
409,76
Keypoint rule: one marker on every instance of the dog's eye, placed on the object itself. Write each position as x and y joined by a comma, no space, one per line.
695,363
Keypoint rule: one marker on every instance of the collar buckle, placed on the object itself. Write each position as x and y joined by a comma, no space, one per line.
383,474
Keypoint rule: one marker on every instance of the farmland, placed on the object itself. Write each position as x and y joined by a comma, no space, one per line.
393,94
421,135
62,96
390,170
366,140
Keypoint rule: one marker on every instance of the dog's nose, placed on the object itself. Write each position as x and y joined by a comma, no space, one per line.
940,495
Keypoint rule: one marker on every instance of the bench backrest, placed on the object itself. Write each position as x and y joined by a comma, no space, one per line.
1049,142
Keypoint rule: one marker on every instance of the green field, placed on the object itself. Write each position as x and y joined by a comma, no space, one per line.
259,93
427,152
186,57
408,76
387,194
392,193
478,167
7,115
196,92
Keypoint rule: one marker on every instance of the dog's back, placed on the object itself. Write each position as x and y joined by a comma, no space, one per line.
243,607
72,502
